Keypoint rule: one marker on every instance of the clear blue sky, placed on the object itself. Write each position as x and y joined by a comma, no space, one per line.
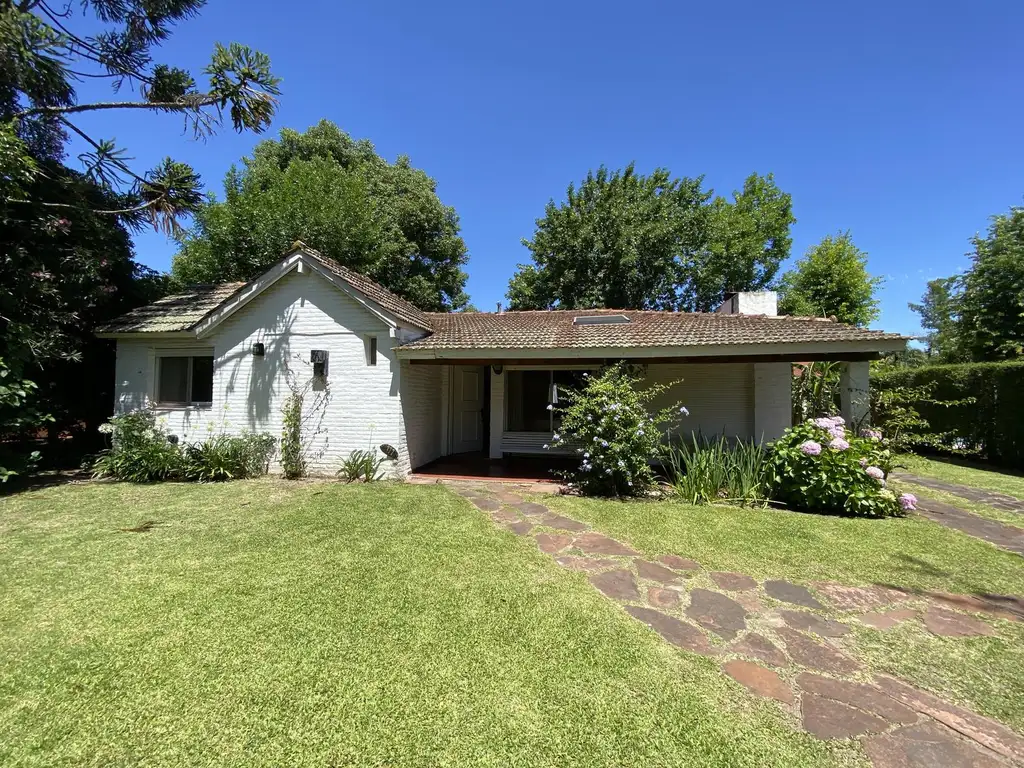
900,121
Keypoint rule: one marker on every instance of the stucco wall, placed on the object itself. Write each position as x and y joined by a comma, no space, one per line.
720,396
360,407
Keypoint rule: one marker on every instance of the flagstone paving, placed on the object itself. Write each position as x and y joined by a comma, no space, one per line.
781,641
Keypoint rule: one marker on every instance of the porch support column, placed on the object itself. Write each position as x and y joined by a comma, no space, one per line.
773,400
854,388
497,415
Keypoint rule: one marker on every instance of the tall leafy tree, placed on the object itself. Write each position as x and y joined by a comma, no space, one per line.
382,219
940,316
991,307
832,280
628,240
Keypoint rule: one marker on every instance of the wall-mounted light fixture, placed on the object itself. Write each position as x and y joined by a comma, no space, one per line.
497,369
318,357
258,349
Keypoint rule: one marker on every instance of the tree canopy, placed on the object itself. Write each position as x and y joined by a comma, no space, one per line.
831,280
979,316
338,195
626,240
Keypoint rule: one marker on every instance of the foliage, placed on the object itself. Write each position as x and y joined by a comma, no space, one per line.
141,451
819,466
362,466
831,280
608,424
979,316
973,408
815,389
293,460
228,458
15,394
709,470
626,240
381,219
894,410
46,51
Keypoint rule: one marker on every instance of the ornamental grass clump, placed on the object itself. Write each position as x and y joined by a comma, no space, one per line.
607,424
821,466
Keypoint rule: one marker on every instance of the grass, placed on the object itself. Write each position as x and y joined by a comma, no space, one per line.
980,673
982,510
264,623
976,475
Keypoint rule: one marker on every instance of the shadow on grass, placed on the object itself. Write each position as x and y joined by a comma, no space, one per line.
1000,606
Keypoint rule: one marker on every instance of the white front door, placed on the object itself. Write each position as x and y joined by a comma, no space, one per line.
468,410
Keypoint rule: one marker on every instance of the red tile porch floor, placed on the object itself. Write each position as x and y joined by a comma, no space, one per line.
467,466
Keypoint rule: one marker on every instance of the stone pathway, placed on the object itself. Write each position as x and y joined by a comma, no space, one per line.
784,641
991,498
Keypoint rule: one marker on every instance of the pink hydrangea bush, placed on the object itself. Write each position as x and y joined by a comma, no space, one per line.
821,466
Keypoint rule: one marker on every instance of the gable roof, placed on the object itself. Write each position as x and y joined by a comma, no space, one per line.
556,329
187,310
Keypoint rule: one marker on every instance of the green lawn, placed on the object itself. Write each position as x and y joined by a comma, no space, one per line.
981,673
988,478
982,510
262,623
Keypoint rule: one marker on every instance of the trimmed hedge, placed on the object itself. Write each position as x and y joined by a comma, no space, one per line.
992,426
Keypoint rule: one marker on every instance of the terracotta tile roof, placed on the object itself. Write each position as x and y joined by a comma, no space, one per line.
556,329
393,303
179,312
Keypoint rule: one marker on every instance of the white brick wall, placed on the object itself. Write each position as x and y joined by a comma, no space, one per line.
773,400
421,415
302,312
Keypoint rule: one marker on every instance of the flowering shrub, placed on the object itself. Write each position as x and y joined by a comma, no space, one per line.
609,427
819,466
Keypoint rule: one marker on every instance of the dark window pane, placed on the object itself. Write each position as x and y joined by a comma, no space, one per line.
172,386
373,350
528,393
202,379
565,380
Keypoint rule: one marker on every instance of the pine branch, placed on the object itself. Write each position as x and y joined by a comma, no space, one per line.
195,103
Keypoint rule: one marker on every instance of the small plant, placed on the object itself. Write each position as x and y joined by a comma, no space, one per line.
362,466
293,462
141,451
228,458
608,425
820,466
705,471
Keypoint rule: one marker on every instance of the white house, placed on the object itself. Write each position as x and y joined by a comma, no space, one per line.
224,358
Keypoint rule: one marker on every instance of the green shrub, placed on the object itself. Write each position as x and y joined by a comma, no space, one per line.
362,466
986,417
141,451
228,458
705,470
819,466
608,425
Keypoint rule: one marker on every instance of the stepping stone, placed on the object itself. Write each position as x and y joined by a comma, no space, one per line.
927,745
760,647
889,619
859,695
828,719
618,585
713,610
552,543
810,653
552,520
662,598
750,602
677,632
508,497
486,504
520,528
467,492
846,598
574,563
598,544
655,572
732,582
949,624
792,593
982,730
504,516
808,622
679,563
759,680
530,509
1000,606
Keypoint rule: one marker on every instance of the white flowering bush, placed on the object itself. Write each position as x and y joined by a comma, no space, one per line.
608,426
141,451
821,466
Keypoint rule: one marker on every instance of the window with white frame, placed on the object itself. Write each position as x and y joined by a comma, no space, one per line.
184,378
